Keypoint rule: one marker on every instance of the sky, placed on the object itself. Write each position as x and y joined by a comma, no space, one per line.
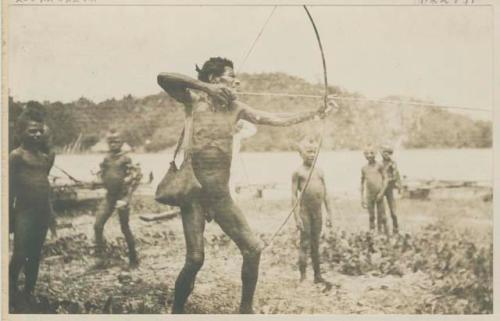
442,54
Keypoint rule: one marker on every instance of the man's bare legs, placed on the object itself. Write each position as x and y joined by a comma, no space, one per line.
233,223
211,167
193,222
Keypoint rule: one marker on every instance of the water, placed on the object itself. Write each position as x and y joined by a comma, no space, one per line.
342,168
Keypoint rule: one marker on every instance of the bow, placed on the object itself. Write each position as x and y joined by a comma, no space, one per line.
320,142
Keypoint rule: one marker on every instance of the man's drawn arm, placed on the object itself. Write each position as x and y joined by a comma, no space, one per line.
177,85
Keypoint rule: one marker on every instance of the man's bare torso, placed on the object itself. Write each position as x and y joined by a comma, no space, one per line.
212,127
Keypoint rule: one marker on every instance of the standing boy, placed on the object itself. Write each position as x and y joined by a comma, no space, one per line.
120,178
392,181
372,180
29,200
308,214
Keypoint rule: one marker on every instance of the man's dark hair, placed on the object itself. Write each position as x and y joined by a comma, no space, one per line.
213,66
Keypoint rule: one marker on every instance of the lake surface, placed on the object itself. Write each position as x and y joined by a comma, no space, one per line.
342,168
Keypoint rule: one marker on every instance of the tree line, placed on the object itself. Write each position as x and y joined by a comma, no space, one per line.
153,123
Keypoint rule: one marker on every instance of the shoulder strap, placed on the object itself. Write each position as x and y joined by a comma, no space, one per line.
179,144
185,139
188,133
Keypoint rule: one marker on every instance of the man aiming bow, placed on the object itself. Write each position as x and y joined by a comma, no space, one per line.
212,102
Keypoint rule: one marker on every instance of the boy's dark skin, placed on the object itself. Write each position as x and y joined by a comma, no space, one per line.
372,180
392,181
29,204
118,174
216,111
308,215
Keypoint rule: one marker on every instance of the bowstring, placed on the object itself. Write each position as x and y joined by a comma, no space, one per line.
367,99
243,61
240,67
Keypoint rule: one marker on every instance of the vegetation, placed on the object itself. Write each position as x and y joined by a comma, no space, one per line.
153,123
442,263
461,273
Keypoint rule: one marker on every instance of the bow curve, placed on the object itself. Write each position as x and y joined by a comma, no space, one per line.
325,101
320,142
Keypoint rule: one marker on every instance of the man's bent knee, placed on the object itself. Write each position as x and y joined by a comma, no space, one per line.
194,261
253,251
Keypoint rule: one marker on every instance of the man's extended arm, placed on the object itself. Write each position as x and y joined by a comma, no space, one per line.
260,117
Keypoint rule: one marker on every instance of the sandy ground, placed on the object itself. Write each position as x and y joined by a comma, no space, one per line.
69,283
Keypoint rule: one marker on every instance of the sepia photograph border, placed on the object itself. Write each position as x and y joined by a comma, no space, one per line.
494,6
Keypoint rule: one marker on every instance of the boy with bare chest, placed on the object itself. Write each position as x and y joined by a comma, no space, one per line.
120,177
29,202
372,190
308,215
392,181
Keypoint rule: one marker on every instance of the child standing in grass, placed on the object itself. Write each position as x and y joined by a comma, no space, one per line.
308,214
372,184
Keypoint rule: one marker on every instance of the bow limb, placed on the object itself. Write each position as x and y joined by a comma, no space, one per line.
325,73
325,101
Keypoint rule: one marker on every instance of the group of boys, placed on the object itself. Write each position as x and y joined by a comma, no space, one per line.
378,181
30,208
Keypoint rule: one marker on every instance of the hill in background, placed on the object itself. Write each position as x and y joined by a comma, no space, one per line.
153,123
